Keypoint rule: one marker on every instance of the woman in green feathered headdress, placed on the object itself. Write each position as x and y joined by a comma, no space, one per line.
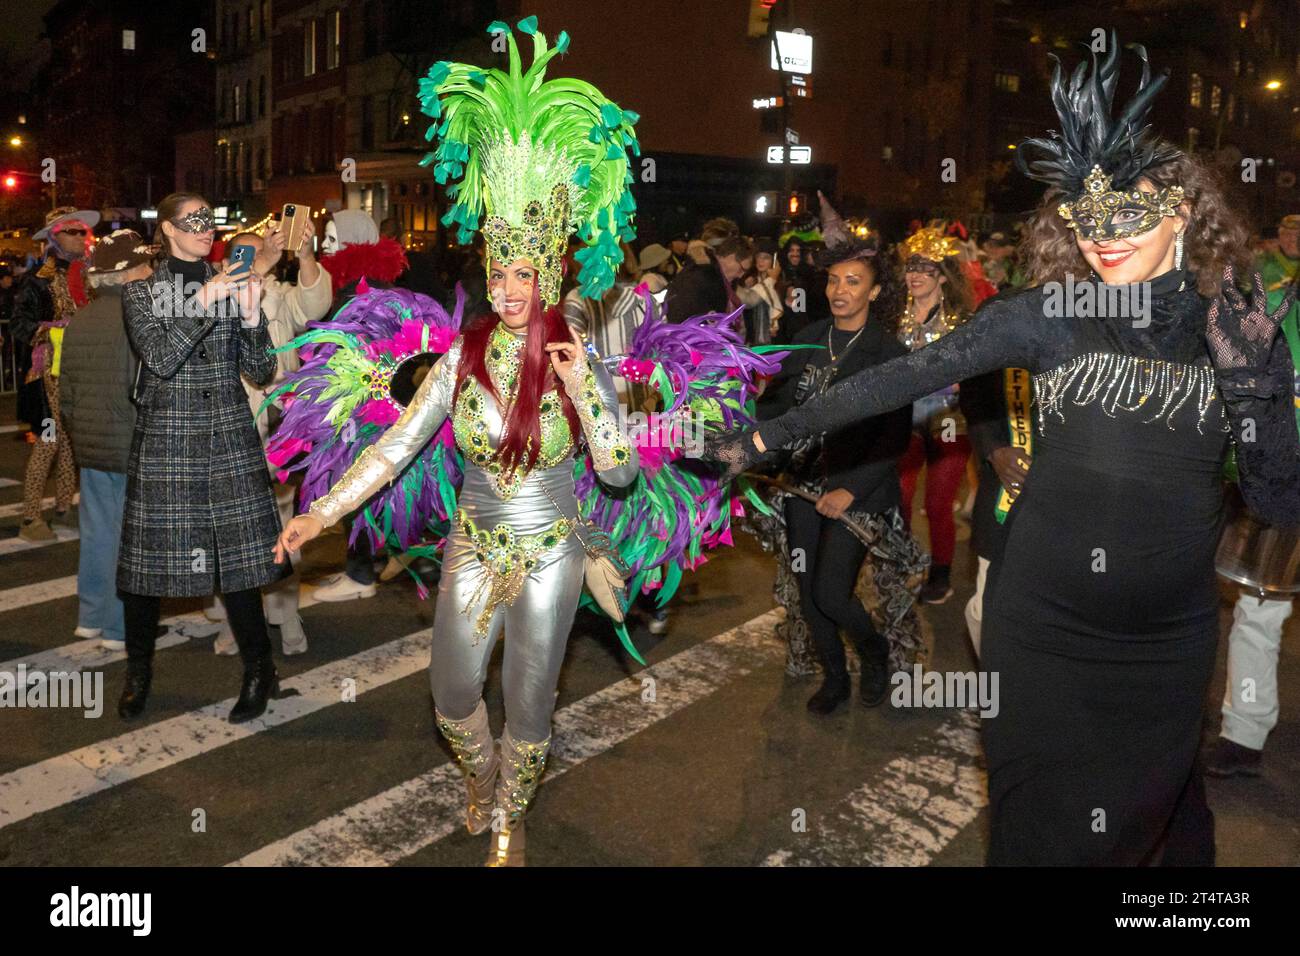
528,161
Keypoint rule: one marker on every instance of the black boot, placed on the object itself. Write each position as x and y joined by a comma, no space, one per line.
873,682
261,682
135,692
834,691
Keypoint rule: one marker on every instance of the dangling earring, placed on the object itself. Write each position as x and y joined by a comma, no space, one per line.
1178,251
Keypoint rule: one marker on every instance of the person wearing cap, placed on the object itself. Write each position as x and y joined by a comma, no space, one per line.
42,310
1255,640
97,372
650,266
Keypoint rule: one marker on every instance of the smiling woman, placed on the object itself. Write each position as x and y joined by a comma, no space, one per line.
1101,617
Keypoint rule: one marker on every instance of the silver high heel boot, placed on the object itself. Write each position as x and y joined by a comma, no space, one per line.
521,770
471,742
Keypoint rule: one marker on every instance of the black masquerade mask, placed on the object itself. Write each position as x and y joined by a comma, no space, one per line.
1096,160
200,220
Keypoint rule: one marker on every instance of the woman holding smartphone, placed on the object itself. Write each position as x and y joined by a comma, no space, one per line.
200,513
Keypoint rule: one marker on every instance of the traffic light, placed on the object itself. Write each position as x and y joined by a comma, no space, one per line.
767,203
11,181
795,205
760,12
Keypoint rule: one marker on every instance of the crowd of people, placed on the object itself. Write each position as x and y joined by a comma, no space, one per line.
154,377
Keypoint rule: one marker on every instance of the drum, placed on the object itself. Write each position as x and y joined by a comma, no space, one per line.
1263,558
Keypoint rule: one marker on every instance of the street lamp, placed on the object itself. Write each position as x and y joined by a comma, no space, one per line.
1273,85
15,140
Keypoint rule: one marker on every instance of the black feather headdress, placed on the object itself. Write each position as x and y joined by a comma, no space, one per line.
1123,147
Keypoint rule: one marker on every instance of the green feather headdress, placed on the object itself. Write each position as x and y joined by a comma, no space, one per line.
541,158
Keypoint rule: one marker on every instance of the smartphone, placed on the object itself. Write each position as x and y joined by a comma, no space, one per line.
293,220
241,260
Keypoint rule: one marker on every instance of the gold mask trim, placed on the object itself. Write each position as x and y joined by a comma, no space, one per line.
1090,215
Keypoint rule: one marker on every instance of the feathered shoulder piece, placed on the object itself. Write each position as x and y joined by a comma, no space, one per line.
1090,138
539,158
358,373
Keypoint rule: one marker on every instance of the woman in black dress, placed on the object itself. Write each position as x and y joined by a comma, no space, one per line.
1102,618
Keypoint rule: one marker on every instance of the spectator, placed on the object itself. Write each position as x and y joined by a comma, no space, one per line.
997,257
610,321
200,513
761,294
43,309
288,308
709,287
98,371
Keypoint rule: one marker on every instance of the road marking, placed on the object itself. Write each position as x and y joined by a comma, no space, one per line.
89,655
38,593
56,781
10,429
906,814
9,482
11,510
61,535
404,819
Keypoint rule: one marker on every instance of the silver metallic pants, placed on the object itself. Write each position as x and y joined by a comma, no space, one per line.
536,627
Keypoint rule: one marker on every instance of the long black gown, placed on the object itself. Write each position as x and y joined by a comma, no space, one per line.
1101,620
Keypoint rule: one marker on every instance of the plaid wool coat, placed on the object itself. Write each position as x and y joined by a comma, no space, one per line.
200,513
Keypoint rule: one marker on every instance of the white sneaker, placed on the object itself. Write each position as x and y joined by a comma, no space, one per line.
293,639
216,611
340,587
225,644
113,643
88,632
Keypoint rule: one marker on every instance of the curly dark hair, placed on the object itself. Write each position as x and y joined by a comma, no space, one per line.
1216,237
888,306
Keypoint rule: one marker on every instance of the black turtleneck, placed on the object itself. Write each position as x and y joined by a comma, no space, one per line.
191,272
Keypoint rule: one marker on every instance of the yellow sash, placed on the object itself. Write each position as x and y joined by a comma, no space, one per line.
1019,395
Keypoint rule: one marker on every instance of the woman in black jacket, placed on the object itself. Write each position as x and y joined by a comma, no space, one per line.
853,474
200,513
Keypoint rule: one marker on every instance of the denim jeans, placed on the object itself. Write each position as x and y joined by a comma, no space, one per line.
103,497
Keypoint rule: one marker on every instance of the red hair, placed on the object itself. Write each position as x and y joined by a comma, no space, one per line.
535,378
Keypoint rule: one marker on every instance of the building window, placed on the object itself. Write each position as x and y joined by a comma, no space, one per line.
1245,113
248,100
1195,86
266,18
1250,67
1193,137
333,31
367,123
1243,19
1007,82
239,108
309,48
1236,63
1216,97
261,95
128,39
252,24
1232,106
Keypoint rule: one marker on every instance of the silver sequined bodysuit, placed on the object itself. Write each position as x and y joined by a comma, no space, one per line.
511,561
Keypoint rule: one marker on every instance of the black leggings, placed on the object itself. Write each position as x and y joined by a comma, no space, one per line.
827,574
243,609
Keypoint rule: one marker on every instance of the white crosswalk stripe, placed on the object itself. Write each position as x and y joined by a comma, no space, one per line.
89,655
79,773
906,814
16,508
25,595
16,544
400,821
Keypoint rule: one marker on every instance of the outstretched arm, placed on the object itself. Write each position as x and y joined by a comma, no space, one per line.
1005,333
384,460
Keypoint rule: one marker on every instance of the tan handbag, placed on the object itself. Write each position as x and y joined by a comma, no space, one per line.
606,572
